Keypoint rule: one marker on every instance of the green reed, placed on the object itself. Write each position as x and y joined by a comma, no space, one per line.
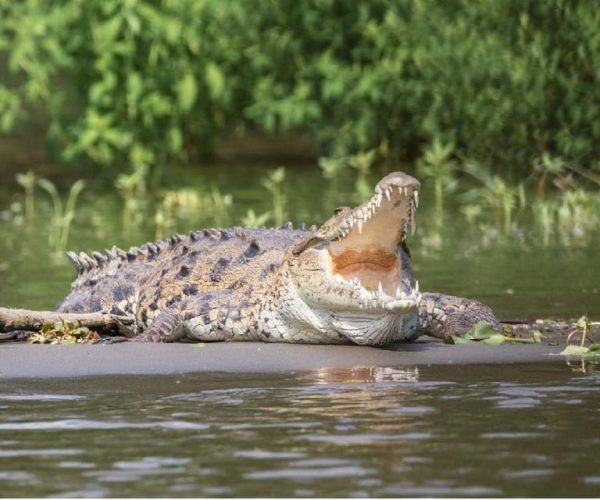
27,182
273,182
62,214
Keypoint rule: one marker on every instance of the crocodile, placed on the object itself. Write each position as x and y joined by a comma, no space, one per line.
348,281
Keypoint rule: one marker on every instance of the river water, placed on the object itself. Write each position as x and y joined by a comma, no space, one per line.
452,431
518,430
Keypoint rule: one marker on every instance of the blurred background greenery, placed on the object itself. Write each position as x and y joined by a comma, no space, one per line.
138,85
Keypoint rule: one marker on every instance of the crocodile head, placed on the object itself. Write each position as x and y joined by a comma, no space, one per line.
354,271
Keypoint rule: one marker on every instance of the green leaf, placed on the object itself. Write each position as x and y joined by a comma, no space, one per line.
574,350
495,339
480,331
187,90
214,79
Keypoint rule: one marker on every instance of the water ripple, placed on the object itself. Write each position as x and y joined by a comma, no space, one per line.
266,454
318,473
40,397
55,452
82,424
366,438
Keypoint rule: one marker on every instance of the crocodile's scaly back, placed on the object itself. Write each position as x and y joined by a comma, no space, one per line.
229,269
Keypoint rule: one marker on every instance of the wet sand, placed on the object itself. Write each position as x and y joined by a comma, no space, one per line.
18,360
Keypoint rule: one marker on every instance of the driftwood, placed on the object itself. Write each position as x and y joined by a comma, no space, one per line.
14,320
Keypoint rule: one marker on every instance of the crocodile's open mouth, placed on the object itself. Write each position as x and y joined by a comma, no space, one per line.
365,254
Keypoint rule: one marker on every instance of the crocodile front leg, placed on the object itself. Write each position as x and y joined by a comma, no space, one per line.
444,315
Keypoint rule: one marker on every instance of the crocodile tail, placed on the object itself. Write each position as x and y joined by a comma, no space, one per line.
84,263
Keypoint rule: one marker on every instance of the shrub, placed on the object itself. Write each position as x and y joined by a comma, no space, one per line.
140,82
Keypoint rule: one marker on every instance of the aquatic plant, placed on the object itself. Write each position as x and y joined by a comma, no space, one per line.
362,163
65,332
27,182
546,167
331,167
133,185
251,219
274,184
495,193
192,207
544,215
582,328
573,216
62,215
483,333
437,167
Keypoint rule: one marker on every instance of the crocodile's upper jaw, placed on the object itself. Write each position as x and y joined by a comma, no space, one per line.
356,263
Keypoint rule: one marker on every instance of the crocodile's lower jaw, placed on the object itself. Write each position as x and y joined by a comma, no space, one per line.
365,330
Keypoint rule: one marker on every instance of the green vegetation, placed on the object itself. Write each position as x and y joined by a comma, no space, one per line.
483,333
134,85
273,183
62,215
64,333
587,353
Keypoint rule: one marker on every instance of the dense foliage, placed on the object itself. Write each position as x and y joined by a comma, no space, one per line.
139,82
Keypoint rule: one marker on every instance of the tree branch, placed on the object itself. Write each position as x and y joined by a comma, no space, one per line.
103,323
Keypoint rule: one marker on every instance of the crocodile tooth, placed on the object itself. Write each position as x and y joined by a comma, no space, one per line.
380,289
388,193
379,199
398,291
417,287
360,225
416,197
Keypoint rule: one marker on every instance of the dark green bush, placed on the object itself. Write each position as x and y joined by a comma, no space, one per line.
138,82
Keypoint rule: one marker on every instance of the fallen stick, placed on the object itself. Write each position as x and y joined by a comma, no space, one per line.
28,320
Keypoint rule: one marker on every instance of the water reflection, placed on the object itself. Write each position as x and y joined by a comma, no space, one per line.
451,431
365,375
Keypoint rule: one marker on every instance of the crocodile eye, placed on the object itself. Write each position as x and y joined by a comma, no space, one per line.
340,209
